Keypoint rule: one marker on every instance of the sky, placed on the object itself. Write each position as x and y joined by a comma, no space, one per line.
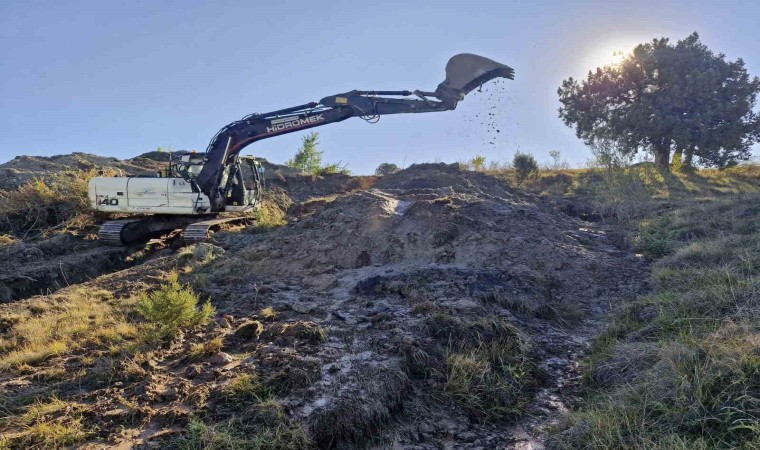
120,78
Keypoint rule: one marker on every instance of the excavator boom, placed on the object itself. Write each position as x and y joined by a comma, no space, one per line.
464,72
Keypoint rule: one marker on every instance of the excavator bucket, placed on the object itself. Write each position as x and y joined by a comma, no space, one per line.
465,72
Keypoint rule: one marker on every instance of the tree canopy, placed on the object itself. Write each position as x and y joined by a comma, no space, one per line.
664,98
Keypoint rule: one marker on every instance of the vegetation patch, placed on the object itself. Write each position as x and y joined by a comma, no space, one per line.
50,328
692,377
58,203
171,308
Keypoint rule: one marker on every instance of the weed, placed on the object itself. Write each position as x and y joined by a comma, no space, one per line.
207,348
246,387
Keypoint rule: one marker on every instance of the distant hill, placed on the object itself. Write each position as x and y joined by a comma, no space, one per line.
25,168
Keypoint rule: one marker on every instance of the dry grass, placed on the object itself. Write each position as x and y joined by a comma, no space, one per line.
58,325
246,388
49,425
207,348
242,434
39,207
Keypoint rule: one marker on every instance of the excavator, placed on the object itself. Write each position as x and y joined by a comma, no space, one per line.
198,190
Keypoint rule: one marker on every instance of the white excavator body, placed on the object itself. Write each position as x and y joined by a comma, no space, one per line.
137,195
153,205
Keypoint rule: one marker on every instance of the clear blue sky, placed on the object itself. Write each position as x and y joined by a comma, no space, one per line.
120,78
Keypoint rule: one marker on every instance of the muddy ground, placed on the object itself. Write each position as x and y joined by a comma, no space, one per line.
374,284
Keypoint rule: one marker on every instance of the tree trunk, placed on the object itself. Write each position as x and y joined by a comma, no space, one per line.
662,156
687,161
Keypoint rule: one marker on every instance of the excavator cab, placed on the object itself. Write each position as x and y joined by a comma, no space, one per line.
245,184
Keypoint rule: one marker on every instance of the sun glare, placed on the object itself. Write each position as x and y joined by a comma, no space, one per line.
608,54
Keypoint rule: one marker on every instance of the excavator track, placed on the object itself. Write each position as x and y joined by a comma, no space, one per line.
135,231
110,232
202,231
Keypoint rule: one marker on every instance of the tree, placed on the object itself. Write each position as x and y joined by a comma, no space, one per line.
557,162
386,169
308,158
525,166
667,98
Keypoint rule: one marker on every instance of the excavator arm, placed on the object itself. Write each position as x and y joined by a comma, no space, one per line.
464,72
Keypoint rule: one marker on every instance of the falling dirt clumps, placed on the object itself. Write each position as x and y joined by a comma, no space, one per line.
405,277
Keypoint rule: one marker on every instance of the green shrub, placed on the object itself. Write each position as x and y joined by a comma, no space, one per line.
478,163
386,169
171,308
525,166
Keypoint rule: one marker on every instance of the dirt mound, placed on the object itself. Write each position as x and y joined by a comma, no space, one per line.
398,274
25,168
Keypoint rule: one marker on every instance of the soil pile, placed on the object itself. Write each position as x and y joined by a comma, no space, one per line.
384,269
22,169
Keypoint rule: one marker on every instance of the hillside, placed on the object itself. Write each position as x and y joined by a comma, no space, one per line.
22,169
432,308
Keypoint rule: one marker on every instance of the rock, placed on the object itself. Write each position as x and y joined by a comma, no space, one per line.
205,251
221,358
467,436
251,329
303,307
193,371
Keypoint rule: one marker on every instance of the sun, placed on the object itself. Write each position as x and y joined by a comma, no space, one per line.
606,54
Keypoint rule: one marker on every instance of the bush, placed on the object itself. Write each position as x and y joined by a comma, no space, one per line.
386,169
478,163
60,201
333,168
172,308
525,166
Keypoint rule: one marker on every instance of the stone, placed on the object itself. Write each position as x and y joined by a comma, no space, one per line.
221,358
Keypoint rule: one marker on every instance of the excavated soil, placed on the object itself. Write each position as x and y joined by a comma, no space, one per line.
459,243
45,266
389,269
22,169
